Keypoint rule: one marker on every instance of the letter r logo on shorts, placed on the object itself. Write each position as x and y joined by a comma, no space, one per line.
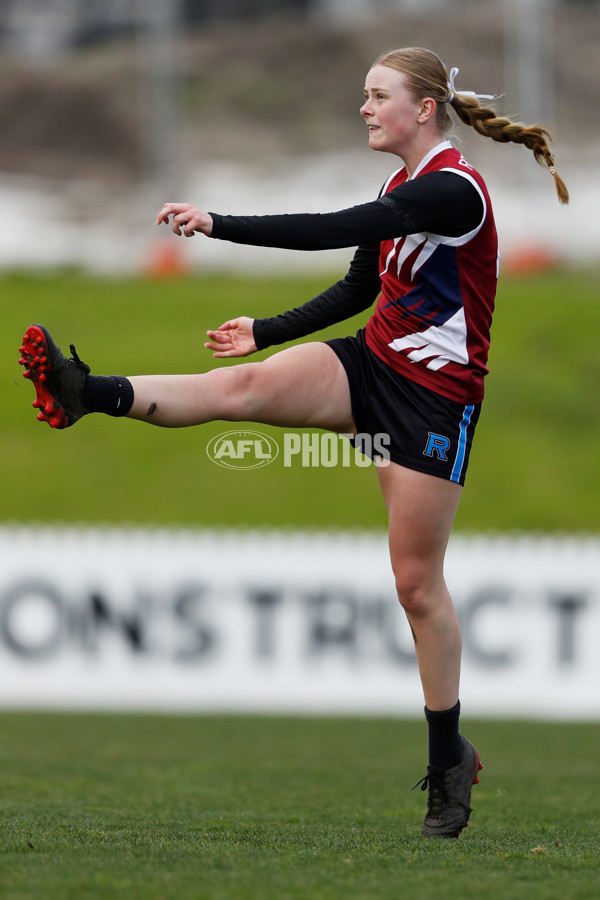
437,444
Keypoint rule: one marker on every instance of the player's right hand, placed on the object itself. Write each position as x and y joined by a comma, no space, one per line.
186,219
233,338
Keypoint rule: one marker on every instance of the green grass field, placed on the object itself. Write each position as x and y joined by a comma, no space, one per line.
534,460
158,808
234,808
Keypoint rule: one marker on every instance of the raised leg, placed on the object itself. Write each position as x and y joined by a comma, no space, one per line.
302,386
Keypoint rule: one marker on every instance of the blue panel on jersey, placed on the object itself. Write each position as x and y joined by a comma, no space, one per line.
436,296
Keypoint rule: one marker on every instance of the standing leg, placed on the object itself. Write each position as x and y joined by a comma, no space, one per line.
421,510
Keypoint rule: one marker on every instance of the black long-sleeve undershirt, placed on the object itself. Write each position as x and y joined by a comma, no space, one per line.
439,203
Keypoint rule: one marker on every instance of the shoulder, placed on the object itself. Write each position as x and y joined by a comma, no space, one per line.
449,159
444,185
454,162
447,202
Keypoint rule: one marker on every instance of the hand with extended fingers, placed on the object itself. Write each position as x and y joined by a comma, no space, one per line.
233,338
186,219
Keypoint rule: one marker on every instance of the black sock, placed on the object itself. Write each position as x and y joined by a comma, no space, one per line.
110,394
445,744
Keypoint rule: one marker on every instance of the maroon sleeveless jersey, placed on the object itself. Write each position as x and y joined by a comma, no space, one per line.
433,316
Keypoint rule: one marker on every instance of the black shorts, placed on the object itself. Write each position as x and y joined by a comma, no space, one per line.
422,430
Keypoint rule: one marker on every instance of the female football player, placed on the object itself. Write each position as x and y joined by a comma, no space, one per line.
427,253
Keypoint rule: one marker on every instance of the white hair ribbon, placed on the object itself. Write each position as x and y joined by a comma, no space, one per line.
452,91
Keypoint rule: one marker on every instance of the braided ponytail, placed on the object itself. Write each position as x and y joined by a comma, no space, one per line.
535,137
425,75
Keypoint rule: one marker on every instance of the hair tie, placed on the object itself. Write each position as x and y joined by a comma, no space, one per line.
552,170
450,83
452,90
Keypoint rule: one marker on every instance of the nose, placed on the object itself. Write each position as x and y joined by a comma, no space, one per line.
364,110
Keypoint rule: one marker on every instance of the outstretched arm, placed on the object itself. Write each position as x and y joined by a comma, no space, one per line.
437,202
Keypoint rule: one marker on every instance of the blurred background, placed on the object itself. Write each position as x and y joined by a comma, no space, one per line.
107,110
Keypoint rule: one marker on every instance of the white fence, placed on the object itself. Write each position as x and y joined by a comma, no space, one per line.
287,622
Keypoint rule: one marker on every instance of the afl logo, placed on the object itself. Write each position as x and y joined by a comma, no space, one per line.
242,450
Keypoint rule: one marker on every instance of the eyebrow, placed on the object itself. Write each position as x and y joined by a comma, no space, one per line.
375,90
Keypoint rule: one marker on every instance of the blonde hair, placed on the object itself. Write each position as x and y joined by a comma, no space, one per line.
425,75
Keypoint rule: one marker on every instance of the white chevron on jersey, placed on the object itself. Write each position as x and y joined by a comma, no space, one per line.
429,247
390,256
411,243
440,344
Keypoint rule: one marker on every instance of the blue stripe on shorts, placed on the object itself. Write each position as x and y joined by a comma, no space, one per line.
462,444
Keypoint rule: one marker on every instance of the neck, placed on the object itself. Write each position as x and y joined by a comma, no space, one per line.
417,154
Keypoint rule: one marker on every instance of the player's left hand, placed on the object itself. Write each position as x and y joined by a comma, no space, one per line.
186,219
233,338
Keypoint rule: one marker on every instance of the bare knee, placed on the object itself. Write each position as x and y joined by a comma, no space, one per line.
415,589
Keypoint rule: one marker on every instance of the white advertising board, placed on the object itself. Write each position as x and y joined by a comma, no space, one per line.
201,621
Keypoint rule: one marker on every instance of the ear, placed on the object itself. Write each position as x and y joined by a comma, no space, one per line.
427,110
